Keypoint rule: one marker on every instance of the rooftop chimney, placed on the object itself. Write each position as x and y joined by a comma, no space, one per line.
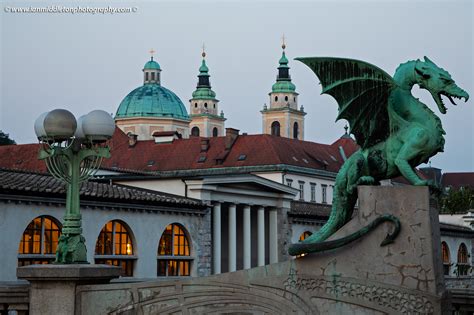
231,135
132,139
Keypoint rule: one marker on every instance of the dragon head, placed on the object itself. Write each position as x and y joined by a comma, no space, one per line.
438,82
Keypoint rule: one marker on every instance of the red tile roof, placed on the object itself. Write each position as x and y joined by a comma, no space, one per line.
185,154
458,180
259,150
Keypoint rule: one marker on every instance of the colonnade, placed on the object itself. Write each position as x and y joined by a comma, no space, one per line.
231,226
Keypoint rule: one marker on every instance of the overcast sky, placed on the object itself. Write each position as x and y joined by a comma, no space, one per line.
82,62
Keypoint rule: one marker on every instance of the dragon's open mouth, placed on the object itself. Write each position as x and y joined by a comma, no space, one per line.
450,96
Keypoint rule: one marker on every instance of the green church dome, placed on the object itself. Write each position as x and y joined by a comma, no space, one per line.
151,65
283,87
152,100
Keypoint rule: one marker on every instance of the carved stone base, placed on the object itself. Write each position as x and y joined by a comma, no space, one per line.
361,278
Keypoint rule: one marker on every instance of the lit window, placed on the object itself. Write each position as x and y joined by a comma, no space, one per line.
115,247
313,192
301,184
305,235
446,259
174,253
463,263
39,241
324,189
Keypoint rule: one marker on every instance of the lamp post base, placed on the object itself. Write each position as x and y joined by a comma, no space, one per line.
71,250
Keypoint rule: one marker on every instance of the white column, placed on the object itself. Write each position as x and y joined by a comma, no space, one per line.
261,236
273,236
232,238
216,237
247,237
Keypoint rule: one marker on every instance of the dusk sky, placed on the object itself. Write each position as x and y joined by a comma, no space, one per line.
85,61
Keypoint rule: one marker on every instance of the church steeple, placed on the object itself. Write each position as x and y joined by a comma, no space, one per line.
282,117
204,107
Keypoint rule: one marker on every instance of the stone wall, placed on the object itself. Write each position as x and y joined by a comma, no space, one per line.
361,278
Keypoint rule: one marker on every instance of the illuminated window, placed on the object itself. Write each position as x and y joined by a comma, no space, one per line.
446,260
305,235
174,253
39,241
115,247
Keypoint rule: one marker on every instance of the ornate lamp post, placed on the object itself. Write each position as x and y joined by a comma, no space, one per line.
73,151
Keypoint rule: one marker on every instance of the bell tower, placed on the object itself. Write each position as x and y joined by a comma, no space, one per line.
206,121
283,118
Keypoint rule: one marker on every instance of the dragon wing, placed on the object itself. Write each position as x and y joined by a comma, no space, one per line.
362,92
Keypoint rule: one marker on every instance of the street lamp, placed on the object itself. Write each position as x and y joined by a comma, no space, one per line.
73,151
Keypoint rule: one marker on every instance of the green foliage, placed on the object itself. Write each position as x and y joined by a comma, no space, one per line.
457,200
5,139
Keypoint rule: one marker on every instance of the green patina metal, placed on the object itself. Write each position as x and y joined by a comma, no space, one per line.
396,132
152,100
72,164
151,65
203,90
283,83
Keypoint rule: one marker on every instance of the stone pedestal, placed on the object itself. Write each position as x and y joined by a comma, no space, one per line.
53,287
404,277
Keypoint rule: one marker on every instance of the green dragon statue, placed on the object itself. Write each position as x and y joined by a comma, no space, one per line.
395,131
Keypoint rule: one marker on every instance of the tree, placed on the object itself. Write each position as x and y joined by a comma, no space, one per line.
5,139
457,200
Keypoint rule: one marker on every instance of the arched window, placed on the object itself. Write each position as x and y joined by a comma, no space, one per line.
305,235
39,241
215,132
286,98
446,258
174,252
214,105
195,132
275,128
276,98
195,105
115,247
296,130
463,262
205,105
